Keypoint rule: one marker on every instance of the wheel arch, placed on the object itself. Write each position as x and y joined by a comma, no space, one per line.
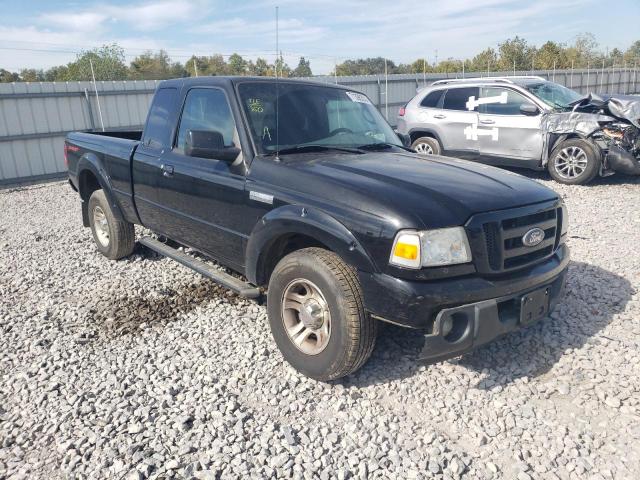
416,133
91,177
292,227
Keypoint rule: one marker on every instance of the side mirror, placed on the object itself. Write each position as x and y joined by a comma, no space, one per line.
209,144
405,139
529,109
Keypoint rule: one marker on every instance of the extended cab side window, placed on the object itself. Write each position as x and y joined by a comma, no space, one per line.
207,110
157,133
432,100
460,98
502,101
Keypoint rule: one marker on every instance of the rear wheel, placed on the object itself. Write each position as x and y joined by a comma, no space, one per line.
317,315
574,162
114,238
426,146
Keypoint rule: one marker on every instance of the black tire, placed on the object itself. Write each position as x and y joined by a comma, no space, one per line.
120,239
352,331
557,164
427,146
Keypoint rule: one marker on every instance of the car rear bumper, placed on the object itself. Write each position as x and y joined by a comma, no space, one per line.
490,305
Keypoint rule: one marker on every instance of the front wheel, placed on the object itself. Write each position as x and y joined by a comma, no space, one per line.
574,162
317,315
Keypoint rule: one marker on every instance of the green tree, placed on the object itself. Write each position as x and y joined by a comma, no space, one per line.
483,61
515,51
7,77
615,57
31,75
421,65
237,65
365,66
206,65
551,54
449,65
583,51
260,68
633,52
155,66
303,69
108,64
281,68
56,74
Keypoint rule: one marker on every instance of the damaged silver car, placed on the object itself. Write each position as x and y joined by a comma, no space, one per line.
526,122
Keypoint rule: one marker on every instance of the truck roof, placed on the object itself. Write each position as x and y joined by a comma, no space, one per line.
227,80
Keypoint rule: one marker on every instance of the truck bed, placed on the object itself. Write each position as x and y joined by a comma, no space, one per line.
111,151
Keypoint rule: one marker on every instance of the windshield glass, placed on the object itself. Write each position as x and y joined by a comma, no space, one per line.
553,94
311,115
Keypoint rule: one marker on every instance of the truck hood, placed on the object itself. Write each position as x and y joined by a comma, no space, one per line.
438,191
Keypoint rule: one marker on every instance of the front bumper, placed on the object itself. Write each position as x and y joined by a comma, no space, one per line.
490,304
482,322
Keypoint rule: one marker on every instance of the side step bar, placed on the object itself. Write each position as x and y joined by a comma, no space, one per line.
241,288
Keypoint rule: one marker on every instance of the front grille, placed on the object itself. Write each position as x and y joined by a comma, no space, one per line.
501,235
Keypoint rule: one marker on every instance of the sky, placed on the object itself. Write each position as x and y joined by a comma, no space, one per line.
41,34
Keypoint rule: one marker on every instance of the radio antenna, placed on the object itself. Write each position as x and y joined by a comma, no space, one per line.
277,91
95,88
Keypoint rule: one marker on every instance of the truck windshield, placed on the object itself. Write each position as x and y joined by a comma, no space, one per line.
554,95
311,115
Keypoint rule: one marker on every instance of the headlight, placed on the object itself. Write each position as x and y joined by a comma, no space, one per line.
430,248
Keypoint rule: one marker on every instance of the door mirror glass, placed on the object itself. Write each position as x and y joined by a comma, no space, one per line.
209,144
529,109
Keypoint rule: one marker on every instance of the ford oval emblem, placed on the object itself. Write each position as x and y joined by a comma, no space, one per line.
533,237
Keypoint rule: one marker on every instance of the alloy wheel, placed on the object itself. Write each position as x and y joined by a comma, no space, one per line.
306,316
571,162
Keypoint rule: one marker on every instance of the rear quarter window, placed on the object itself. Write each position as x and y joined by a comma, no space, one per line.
457,98
157,132
432,100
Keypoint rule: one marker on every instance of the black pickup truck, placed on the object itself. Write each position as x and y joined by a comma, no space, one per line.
305,191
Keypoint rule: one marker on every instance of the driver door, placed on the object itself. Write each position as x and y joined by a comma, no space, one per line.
505,131
203,198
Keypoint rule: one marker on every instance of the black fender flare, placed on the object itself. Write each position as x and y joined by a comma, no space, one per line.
314,223
91,162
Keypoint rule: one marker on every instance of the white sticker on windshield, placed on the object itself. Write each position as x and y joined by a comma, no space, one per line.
358,97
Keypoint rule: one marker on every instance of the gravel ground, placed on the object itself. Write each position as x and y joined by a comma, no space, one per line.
141,368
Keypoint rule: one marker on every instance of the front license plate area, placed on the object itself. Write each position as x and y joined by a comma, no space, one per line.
534,306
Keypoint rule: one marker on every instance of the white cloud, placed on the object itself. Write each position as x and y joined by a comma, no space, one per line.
146,16
291,30
155,15
84,21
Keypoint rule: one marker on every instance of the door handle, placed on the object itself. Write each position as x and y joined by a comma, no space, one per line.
439,115
167,170
487,122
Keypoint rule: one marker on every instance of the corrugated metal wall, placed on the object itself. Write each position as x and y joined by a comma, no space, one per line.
35,117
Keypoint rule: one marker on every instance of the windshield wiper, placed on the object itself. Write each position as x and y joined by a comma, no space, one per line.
313,148
376,147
